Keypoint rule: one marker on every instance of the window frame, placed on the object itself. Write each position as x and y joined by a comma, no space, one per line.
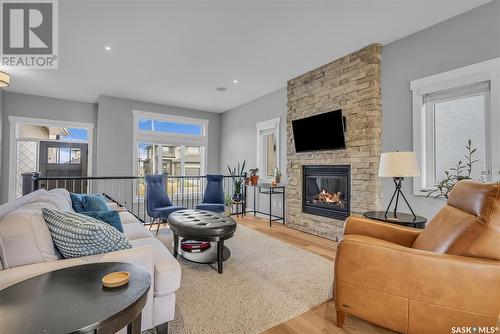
265,128
423,136
16,121
170,139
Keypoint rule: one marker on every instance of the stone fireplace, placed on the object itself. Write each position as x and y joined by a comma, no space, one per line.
350,83
326,191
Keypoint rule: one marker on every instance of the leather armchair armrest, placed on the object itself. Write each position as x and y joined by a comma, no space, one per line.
401,235
448,281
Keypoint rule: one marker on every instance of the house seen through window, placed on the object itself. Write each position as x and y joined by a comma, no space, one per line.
172,148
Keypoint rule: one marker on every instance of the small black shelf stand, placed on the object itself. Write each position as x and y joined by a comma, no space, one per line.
268,189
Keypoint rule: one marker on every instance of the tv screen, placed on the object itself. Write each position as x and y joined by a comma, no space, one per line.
320,132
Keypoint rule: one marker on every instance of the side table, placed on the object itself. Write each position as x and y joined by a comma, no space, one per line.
268,189
399,218
73,300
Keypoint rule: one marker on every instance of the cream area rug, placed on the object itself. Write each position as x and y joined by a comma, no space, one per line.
265,282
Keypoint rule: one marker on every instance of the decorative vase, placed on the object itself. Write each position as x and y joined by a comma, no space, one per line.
237,197
227,211
277,178
254,179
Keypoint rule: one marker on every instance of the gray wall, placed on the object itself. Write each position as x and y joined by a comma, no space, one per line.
23,105
239,135
112,119
1,139
115,128
463,40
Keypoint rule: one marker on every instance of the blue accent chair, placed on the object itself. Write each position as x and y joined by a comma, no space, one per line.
213,199
159,206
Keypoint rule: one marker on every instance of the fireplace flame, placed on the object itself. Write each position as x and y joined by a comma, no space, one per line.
328,197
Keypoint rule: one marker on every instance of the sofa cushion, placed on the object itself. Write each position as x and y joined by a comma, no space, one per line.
25,237
77,235
109,217
167,269
8,207
128,218
135,231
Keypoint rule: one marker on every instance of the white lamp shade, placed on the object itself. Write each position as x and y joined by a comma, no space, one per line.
4,79
398,164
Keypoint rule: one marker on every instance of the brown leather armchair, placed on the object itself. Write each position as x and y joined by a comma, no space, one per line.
425,281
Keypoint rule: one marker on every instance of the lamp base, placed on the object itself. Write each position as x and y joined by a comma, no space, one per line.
397,192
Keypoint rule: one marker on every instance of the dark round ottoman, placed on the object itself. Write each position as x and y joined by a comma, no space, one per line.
203,226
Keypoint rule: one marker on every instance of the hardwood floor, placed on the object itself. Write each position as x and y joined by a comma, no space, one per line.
321,319
320,246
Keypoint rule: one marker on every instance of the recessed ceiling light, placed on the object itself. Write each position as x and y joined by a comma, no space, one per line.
235,81
221,89
107,48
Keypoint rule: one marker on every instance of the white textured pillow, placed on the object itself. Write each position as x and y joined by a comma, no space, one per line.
25,237
57,197
62,194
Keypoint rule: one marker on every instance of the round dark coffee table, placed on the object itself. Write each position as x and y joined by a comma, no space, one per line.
400,218
73,300
202,226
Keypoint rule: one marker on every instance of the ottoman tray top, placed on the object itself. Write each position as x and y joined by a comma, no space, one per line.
202,224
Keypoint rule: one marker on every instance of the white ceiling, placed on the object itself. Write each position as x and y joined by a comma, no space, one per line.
178,53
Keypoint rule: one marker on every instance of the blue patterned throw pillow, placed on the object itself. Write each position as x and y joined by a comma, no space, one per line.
77,235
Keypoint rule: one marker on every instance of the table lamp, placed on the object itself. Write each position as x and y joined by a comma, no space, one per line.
398,165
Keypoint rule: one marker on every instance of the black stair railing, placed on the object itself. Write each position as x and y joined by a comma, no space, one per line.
127,191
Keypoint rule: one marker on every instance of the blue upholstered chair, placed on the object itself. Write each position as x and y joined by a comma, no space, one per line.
213,199
159,206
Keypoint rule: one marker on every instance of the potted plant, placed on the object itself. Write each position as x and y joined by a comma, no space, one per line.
254,178
277,175
462,171
237,174
228,204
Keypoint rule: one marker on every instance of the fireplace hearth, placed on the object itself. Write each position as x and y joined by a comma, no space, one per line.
326,190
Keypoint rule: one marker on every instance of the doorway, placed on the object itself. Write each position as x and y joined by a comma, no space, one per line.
52,148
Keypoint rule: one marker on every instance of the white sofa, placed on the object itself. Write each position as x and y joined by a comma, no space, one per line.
27,250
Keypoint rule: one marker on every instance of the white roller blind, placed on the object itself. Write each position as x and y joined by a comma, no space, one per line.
480,88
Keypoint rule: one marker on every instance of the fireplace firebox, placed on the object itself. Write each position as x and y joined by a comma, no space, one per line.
326,191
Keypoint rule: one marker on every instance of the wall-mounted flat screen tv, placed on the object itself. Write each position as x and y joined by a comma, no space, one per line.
319,132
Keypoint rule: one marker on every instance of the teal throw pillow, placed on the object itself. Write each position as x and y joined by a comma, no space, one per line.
110,217
77,202
83,203
95,202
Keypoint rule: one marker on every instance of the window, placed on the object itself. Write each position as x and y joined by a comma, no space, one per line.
450,109
457,116
170,145
52,148
169,127
268,148
63,155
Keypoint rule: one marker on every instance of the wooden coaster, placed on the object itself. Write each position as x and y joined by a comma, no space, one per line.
116,279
